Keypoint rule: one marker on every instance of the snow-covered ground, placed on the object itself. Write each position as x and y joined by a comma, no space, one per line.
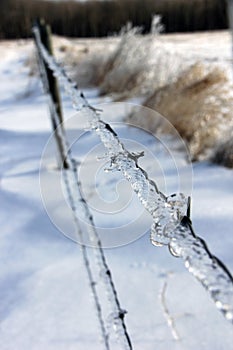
45,301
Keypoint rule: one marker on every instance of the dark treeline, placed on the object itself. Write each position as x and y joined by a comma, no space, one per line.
102,18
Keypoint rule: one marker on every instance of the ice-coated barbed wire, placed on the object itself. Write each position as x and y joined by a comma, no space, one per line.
171,226
77,202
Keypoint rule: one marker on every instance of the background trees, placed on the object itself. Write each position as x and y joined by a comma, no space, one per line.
101,18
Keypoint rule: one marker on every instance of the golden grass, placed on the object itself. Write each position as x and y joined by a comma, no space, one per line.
198,105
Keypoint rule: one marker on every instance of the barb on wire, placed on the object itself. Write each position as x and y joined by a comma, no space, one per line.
77,202
170,226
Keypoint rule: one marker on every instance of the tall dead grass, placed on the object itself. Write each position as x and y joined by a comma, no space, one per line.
138,65
199,105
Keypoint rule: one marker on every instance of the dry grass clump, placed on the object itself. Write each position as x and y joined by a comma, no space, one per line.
123,70
90,68
224,154
138,65
198,105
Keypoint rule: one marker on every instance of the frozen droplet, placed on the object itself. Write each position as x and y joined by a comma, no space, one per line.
156,244
174,251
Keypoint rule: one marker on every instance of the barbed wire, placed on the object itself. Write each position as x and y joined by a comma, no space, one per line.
171,225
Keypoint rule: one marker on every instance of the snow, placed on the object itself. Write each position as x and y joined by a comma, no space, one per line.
45,300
